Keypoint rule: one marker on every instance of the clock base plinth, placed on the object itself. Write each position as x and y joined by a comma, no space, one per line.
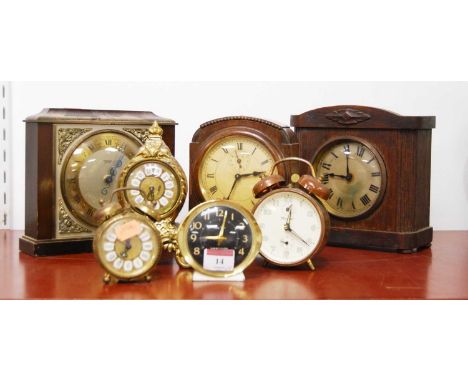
50,247
197,276
403,242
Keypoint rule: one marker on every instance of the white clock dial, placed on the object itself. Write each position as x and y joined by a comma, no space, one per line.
291,227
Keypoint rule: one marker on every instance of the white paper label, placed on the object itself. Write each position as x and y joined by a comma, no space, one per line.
218,259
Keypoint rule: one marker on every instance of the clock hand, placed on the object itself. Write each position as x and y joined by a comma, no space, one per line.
150,196
219,238
221,231
255,173
288,220
237,177
297,236
128,246
239,162
337,176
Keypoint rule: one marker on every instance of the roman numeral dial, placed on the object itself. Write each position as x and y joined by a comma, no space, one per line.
356,173
231,166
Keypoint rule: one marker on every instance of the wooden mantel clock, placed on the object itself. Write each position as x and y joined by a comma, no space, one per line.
73,160
378,165
229,155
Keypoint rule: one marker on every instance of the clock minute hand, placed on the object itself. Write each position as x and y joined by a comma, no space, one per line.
255,173
221,231
297,236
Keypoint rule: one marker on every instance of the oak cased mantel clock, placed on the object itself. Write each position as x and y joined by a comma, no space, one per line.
378,166
73,160
229,155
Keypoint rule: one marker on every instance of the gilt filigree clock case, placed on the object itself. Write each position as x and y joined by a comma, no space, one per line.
73,160
378,165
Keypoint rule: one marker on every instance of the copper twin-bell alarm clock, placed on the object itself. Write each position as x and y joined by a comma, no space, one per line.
159,188
295,226
127,244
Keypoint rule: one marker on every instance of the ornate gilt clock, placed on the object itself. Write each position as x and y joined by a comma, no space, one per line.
73,160
229,155
378,167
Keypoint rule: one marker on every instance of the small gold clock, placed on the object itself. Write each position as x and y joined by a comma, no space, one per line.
127,245
159,187
219,238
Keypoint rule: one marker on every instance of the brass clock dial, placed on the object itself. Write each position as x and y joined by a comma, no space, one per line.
91,170
230,168
127,246
159,183
355,172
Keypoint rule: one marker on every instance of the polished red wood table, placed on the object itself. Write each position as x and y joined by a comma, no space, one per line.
439,272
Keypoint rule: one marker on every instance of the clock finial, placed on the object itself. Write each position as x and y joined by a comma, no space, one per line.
155,129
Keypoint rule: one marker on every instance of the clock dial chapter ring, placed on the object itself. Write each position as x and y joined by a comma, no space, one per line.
90,171
232,163
355,172
161,185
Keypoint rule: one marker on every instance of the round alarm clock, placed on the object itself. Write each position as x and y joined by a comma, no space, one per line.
127,245
219,238
294,224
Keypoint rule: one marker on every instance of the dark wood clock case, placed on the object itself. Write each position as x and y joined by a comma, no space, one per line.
401,221
43,145
280,140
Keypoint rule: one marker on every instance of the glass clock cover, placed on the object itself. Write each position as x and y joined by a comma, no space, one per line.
355,173
91,171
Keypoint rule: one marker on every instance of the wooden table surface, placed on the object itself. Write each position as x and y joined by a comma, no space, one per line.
439,272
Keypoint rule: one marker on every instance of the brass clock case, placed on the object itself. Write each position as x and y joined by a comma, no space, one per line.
146,264
156,152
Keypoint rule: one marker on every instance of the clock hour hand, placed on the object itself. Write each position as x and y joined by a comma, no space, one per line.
333,175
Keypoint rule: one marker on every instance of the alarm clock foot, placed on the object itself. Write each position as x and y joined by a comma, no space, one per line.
311,264
106,278
148,278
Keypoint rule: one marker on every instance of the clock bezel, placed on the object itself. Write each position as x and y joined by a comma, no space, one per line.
237,130
324,219
67,157
383,169
183,239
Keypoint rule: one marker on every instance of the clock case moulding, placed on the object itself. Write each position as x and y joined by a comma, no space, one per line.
280,140
45,149
400,222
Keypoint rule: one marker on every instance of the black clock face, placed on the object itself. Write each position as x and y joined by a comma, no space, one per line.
221,230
